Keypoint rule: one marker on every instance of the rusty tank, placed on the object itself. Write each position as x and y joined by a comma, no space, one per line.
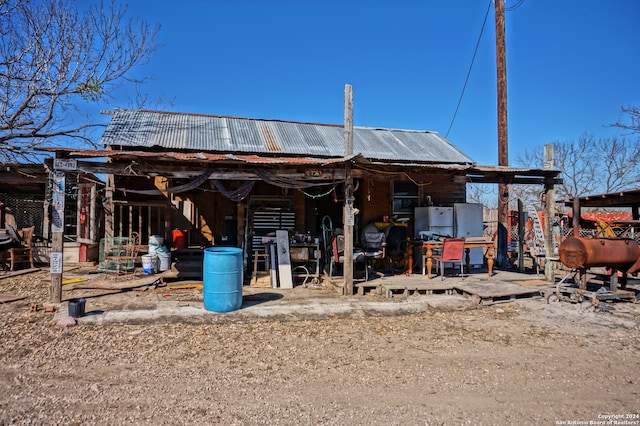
622,254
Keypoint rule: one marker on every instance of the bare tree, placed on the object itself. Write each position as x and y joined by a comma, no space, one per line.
482,193
53,57
588,165
633,115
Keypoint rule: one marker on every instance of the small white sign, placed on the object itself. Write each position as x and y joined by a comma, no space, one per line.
60,164
55,262
348,215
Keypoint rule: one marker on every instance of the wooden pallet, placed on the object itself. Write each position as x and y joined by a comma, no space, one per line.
488,293
575,294
406,290
364,285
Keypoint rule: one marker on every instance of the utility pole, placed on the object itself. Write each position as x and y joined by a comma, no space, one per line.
503,141
348,192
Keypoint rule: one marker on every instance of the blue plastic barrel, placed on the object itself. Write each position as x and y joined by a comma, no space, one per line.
222,279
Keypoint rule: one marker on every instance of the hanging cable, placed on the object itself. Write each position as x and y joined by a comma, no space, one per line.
324,194
515,6
475,52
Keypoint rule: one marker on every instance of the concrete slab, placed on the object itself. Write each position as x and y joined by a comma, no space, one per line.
310,309
142,301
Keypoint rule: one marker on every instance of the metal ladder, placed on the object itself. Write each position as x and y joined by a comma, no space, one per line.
538,245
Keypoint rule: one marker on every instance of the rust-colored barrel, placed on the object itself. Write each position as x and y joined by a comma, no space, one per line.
618,253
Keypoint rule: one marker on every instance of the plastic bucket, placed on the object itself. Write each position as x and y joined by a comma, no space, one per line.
179,239
76,307
155,241
222,279
164,261
149,264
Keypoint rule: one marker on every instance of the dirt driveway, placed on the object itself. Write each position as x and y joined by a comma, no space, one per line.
525,362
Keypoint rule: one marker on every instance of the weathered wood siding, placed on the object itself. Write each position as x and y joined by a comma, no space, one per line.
376,195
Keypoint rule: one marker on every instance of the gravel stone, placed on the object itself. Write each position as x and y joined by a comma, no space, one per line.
524,362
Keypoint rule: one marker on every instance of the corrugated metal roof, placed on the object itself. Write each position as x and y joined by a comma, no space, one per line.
208,133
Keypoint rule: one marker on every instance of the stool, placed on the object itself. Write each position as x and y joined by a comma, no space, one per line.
259,257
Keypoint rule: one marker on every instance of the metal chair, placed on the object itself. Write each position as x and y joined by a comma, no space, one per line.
374,245
337,248
452,251
124,260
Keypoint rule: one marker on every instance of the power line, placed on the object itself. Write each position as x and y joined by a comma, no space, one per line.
475,52
515,6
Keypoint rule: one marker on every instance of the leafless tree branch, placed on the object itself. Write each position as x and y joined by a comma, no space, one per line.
52,57
589,165
632,113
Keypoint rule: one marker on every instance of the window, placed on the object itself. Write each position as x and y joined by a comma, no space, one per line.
405,197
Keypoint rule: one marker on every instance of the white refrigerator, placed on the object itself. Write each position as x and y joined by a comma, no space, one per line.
468,222
436,221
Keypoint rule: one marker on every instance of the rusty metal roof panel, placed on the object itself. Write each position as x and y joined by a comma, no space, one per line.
168,130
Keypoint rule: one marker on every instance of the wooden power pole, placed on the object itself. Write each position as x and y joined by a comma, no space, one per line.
348,192
503,141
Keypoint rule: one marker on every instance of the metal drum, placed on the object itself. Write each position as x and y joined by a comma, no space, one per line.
618,253
222,279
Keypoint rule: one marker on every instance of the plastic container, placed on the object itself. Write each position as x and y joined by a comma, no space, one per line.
222,279
155,241
164,259
149,264
179,239
76,307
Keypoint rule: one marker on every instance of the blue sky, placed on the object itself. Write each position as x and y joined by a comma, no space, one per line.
571,64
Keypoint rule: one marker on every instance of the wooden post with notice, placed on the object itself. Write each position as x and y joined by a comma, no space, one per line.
348,192
550,214
57,229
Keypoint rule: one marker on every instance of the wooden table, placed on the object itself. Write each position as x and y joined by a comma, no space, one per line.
469,243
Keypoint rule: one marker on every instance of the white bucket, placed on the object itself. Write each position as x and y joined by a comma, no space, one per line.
164,261
155,241
149,264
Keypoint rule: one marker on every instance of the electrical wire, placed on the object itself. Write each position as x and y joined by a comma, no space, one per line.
475,52
514,7
406,175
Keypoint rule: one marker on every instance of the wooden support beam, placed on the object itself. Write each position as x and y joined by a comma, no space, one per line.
550,213
348,195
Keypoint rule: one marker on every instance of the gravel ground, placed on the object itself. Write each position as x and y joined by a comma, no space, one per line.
525,362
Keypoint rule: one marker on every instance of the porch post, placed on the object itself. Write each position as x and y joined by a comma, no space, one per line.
550,213
56,256
107,204
348,192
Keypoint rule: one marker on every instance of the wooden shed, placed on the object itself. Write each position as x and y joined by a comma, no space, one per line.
208,177
26,200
